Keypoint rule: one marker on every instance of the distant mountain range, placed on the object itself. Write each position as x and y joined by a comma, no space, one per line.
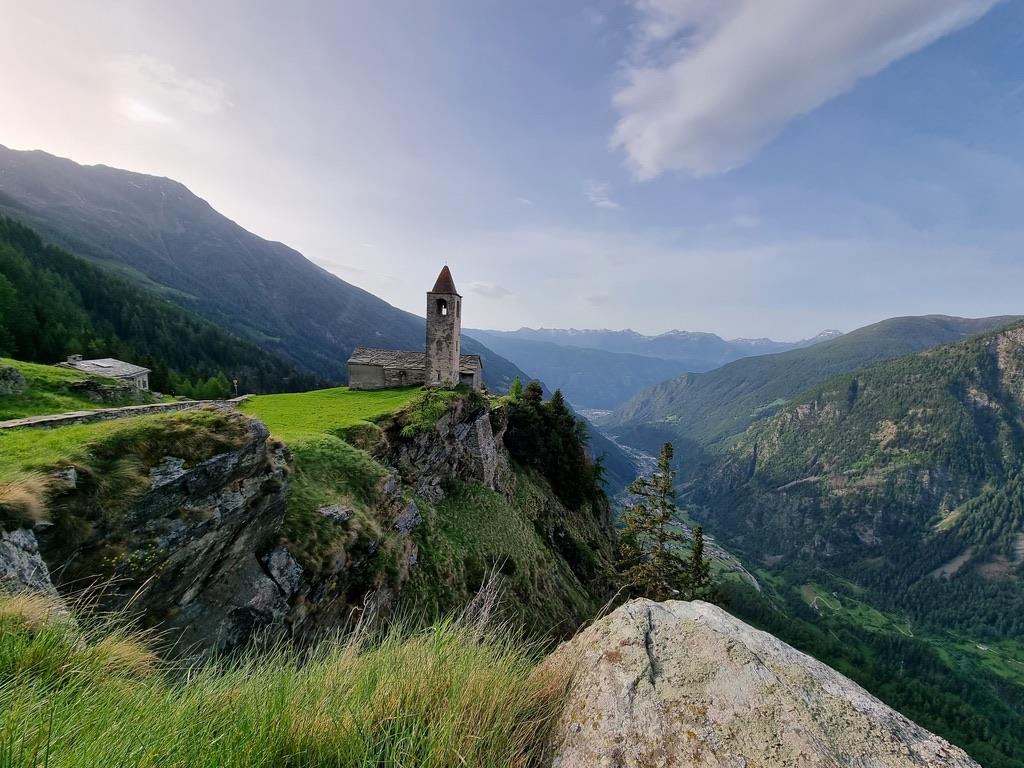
698,351
602,369
705,409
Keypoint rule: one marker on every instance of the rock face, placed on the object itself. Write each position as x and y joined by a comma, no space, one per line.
194,553
462,446
665,685
21,567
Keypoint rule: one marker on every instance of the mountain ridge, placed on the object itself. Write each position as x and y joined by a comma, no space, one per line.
710,407
602,369
154,229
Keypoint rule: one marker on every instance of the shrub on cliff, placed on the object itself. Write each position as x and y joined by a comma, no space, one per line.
549,438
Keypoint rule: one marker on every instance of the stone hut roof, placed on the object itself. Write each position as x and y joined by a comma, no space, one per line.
107,366
388,358
470,363
445,283
397,358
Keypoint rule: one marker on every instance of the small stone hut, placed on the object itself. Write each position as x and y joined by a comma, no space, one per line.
129,373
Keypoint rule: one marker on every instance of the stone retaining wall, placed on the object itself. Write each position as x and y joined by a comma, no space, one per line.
101,414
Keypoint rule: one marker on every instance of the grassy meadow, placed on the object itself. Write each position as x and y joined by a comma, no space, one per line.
293,417
452,694
318,426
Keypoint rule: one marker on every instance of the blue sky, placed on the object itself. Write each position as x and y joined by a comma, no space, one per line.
736,166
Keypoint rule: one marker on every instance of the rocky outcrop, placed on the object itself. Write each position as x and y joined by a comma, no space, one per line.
464,445
107,390
665,685
194,552
21,566
196,545
372,561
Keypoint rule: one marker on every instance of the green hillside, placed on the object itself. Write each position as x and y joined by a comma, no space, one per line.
53,304
890,502
902,468
338,438
707,408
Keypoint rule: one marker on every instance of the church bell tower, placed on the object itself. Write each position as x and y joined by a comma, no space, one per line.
444,328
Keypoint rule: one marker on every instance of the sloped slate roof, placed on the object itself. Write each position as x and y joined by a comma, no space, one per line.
470,363
388,358
108,366
445,283
397,358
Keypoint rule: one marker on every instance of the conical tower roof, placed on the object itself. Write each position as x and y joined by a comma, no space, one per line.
445,283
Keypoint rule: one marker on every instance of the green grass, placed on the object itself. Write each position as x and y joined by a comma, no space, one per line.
292,417
446,696
329,471
475,532
49,392
319,428
30,449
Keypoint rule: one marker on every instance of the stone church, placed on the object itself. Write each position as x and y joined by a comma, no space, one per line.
441,365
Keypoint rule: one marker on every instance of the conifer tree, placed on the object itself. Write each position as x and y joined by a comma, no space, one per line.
651,561
700,586
650,564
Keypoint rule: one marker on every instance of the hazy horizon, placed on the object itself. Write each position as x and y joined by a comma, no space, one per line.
716,167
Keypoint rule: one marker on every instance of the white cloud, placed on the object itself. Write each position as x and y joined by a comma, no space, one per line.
489,290
710,82
149,90
599,195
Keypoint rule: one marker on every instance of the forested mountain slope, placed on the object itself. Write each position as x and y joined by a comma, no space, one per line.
707,408
53,304
906,477
155,230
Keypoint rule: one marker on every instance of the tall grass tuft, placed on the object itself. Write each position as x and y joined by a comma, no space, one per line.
448,695
23,500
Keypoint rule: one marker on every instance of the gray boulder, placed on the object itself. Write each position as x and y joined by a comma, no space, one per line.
21,567
11,380
686,684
